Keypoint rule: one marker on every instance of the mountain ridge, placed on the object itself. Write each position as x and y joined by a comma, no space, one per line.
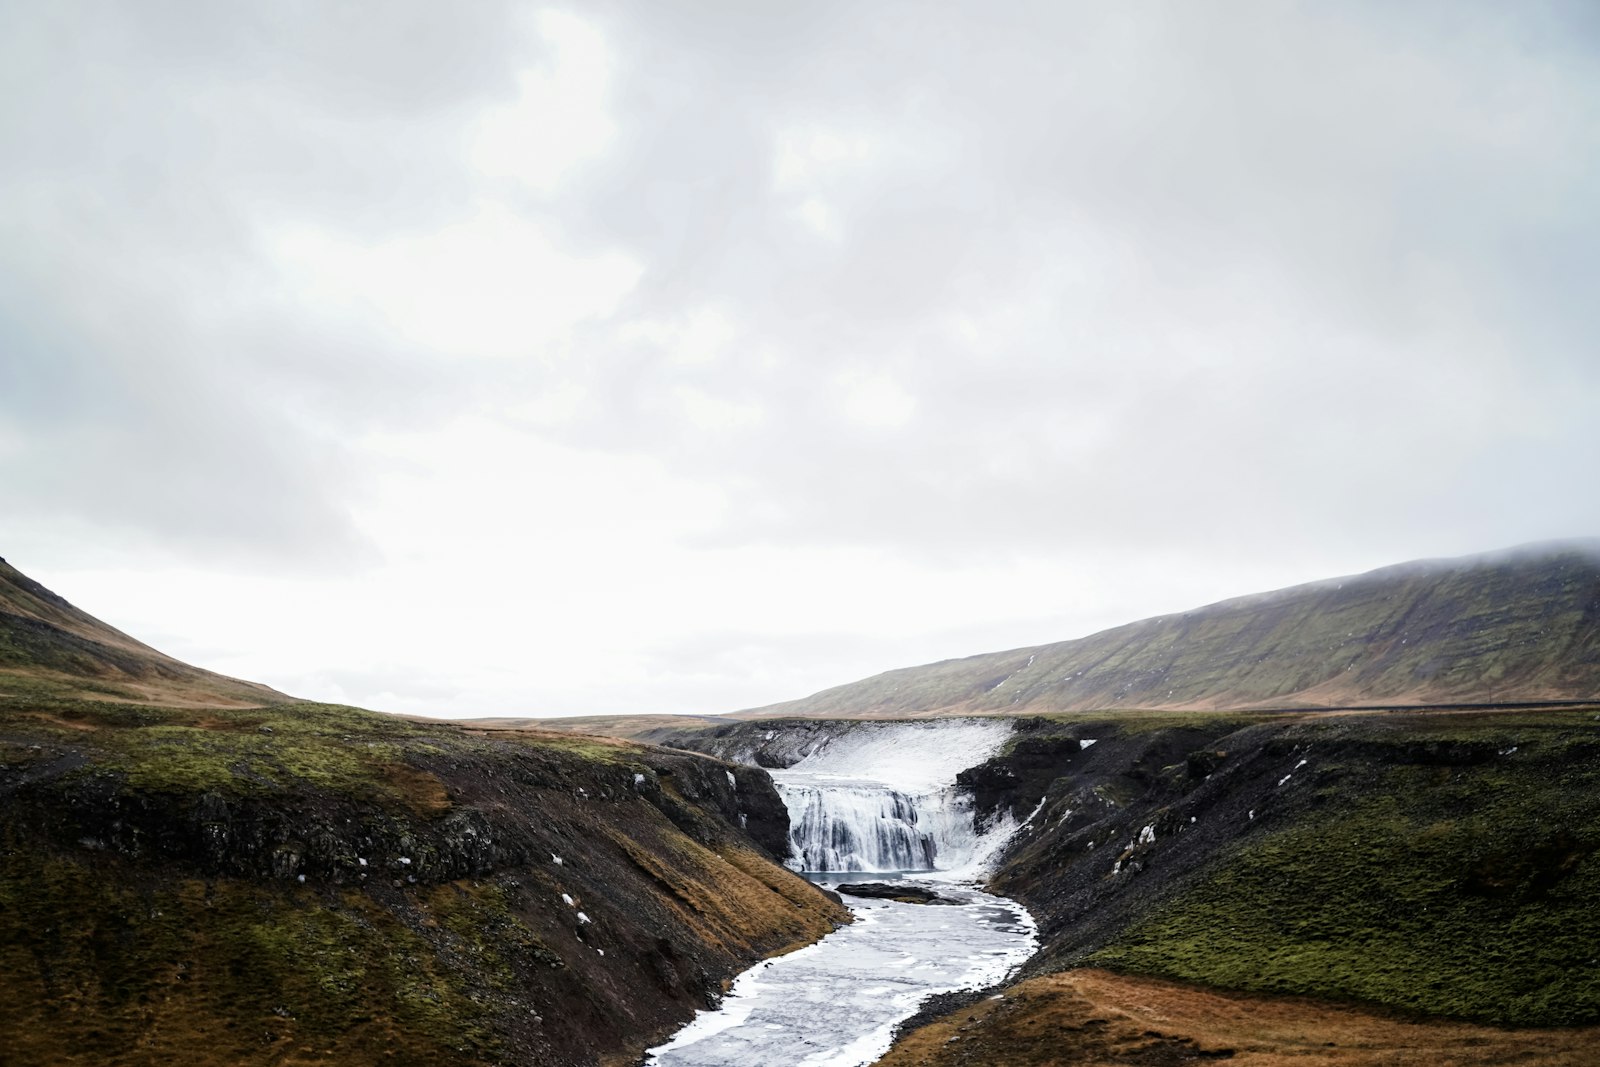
49,644
1516,626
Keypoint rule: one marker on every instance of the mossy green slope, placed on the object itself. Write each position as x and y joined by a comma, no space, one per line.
1465,885
1523,627
107,965
1438,863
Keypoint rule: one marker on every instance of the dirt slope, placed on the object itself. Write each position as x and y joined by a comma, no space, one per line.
1095,1017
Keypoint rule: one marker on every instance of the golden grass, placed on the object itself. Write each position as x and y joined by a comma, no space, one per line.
1096,1017
732,898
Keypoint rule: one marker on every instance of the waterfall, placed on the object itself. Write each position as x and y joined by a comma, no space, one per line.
882,797
865,826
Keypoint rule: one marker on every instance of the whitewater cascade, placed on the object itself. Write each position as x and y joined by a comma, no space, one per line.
882,797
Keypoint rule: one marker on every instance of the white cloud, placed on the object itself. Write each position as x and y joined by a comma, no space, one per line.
698,337
812,172
492,284
707,412
562,116
682,357
561,403
810,157
820,218
874,399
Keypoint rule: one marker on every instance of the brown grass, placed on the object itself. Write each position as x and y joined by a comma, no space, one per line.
1095,1017
423,792
623,726
82,726
733,898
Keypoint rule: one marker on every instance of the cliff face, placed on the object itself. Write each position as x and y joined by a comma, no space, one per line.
1523,628
770,744
264,885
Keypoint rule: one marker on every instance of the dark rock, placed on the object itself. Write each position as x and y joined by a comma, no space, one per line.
906,894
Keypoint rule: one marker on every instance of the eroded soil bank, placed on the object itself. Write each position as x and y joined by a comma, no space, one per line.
1095,1017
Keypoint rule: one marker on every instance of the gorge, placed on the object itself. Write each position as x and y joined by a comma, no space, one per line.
880,798
202,870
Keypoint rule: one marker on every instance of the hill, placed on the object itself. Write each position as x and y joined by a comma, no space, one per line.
48,645
1520,627
187,879
627,727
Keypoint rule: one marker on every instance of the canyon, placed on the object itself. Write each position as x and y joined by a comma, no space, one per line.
202,869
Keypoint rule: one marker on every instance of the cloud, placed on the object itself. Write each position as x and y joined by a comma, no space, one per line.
163,398
1144,265
492,284
629,312
561,116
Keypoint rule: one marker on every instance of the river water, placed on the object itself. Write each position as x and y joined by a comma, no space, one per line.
880,798
835,1003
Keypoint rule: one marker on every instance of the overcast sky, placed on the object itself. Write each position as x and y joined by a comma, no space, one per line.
633,357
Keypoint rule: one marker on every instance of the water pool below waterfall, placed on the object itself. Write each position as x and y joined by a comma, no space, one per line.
835,1003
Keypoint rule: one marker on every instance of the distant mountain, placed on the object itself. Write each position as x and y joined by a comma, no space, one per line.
1519,626
46,644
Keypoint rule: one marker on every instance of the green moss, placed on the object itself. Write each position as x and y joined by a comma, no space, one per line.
479,915
1141,721
344,750
97,968
325,747
612,752
1118,793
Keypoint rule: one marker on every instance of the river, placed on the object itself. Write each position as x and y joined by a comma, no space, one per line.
875,798
836,1003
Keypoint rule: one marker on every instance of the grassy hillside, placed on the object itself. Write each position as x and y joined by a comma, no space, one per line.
1332,889
199,870
49,646
1521,628
1442,864
629,727
301,883
1446,867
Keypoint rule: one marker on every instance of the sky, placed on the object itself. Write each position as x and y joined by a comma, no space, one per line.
502,359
